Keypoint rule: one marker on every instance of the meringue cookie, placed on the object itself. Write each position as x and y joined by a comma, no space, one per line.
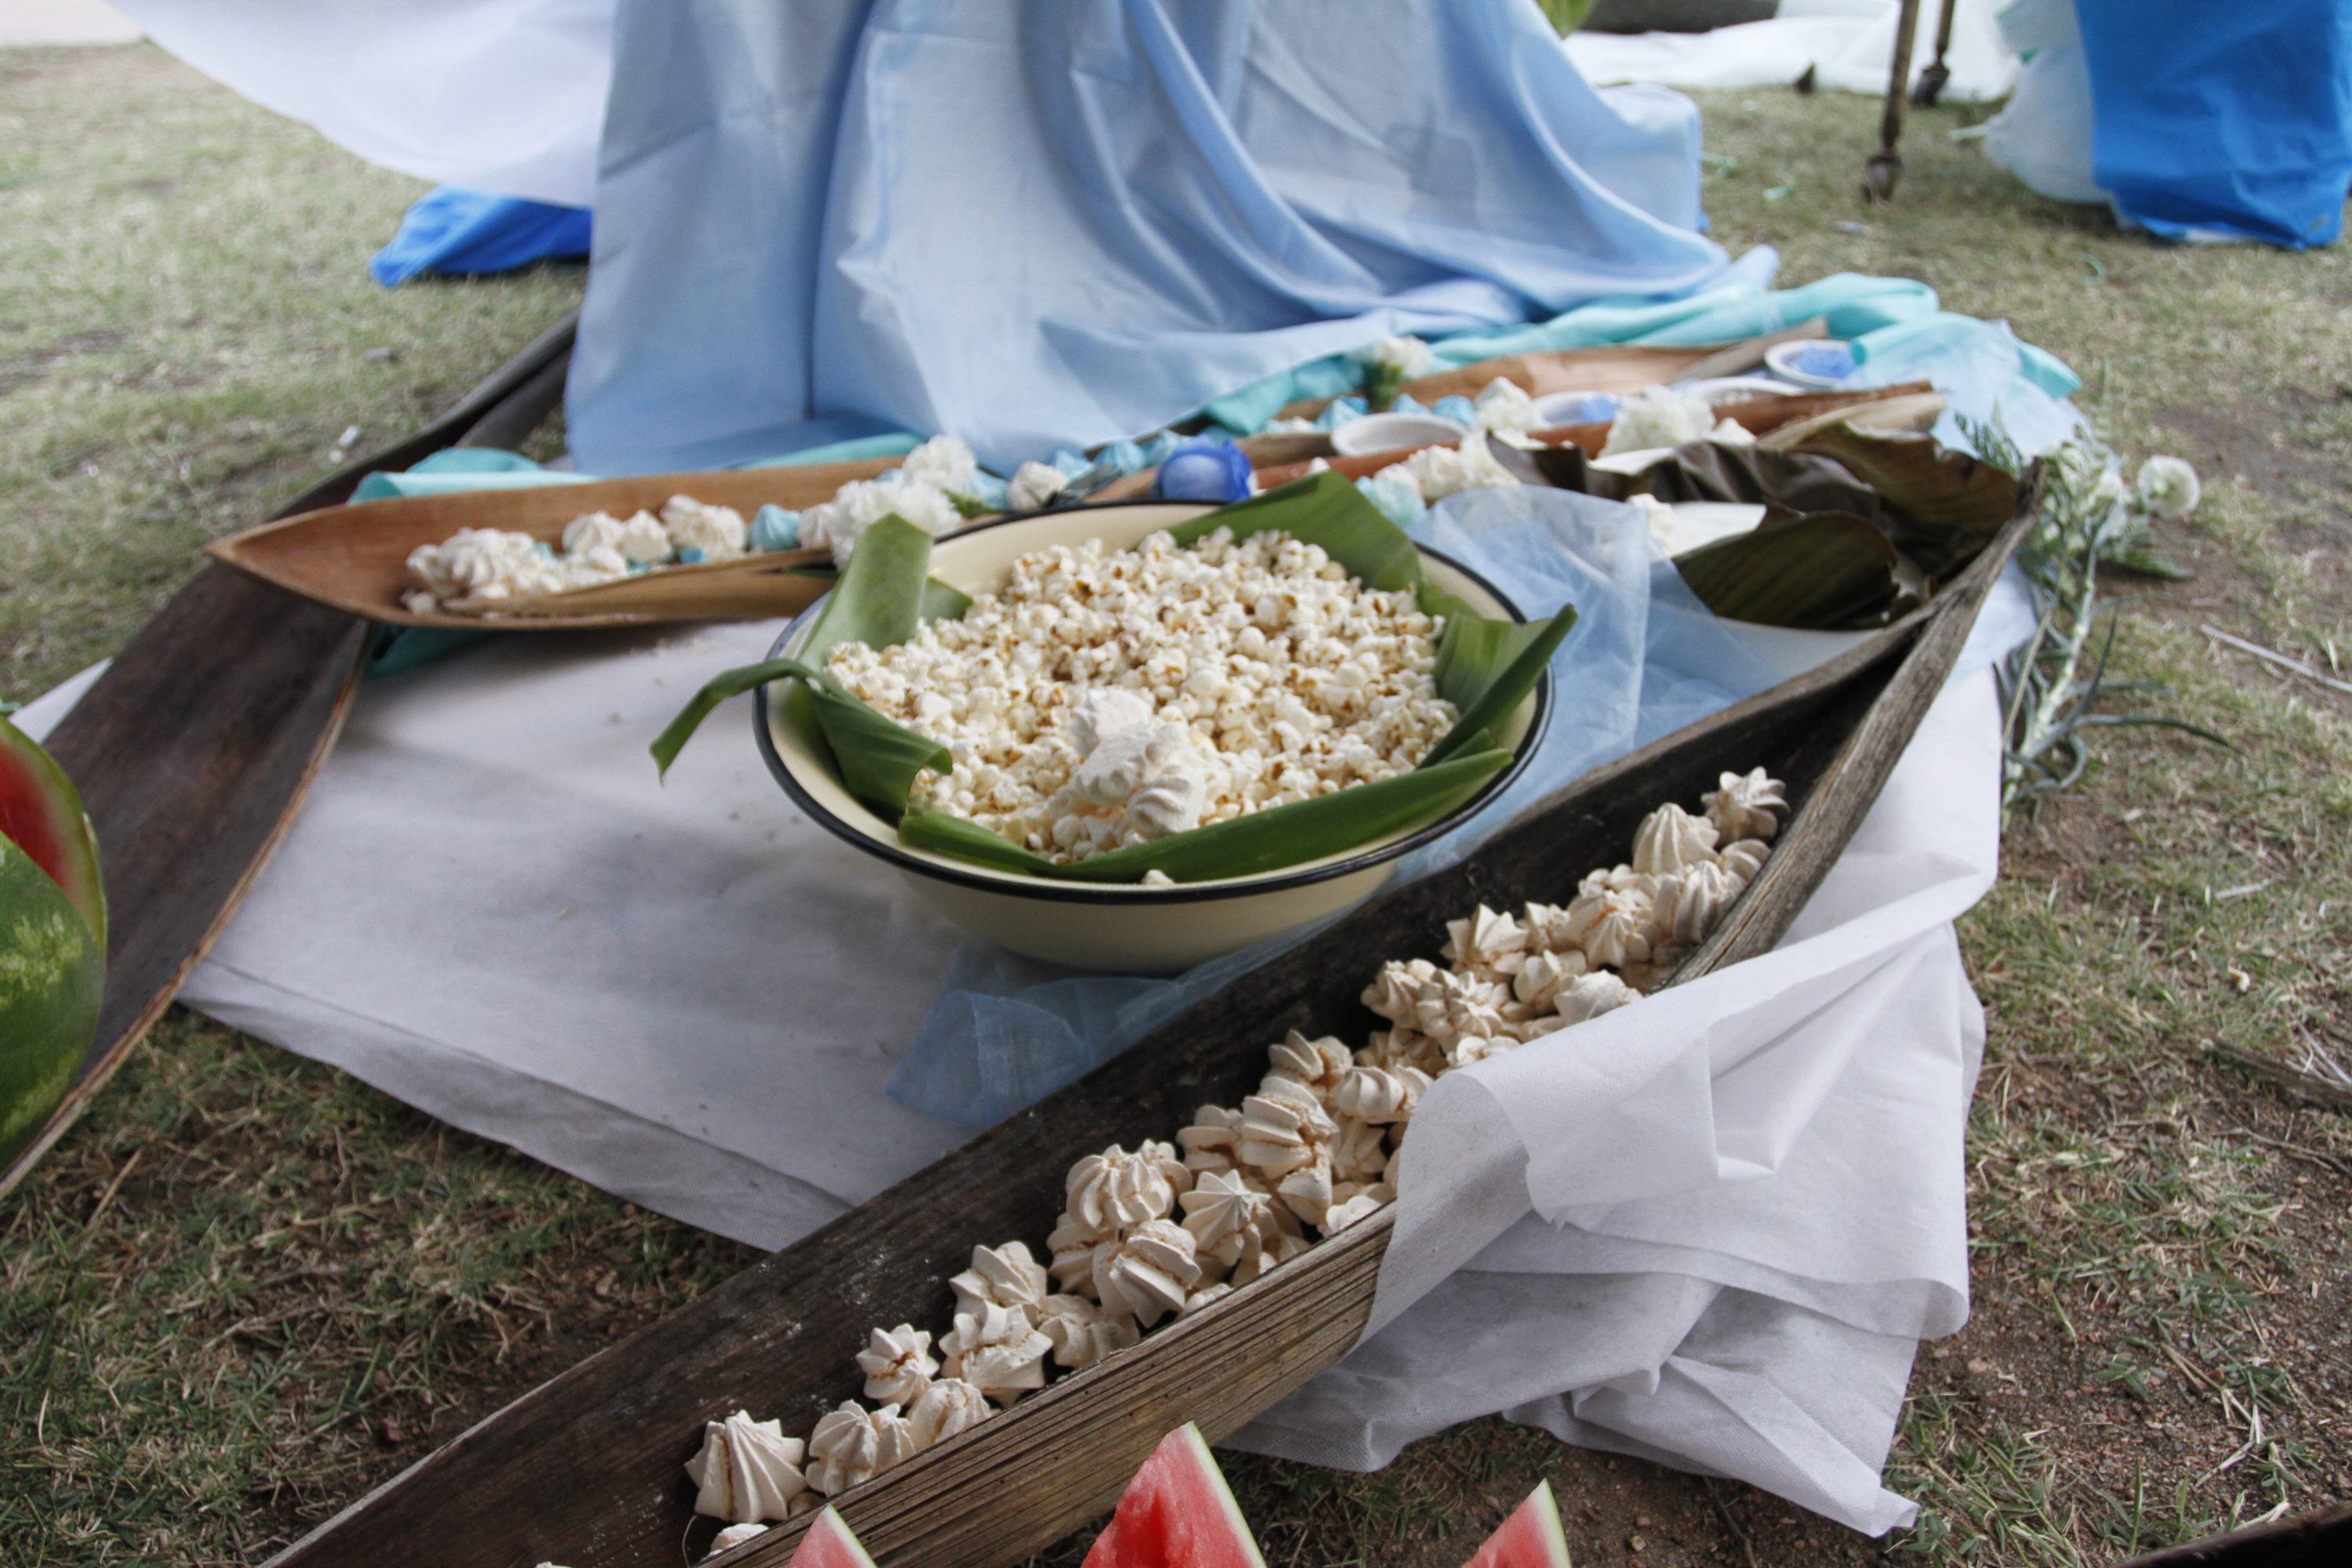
1213,1141
998,1352
1670,838
1226,1216
1395,993
1204,1296
897,1364
1003,1276
1691,901
1307,1191
1592,995
852,1443
1280,1131
1147,1274
1358,1152
1083,1333
733,1536
1615,927
1746,805
1485,941
1379,1094
942,461
1116,1189
949,1406
748,1471
1034,484
1356,1205
1316,1065
1072,1249
1539,981
1745,857
718,531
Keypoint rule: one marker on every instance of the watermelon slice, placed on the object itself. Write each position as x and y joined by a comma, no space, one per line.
41,814
829,1544
1176,1512
1530,1538
52,971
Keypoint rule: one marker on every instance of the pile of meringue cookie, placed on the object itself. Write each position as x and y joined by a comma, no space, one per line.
1151,1234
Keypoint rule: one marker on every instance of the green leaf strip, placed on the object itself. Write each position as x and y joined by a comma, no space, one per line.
1497,692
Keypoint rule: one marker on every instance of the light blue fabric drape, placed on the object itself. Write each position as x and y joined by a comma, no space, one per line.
1034,223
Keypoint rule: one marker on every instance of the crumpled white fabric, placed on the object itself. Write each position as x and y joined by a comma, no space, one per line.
502,95
1848,44
1708,1228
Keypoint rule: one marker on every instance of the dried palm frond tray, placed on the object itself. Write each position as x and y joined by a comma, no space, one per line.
588,1471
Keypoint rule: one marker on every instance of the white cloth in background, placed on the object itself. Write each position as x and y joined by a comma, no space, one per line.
1709,1228
1848,44
503,95
691,996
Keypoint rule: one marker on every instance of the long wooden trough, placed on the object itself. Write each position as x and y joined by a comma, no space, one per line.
586,1471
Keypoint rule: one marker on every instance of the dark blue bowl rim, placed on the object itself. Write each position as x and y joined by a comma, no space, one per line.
1128,892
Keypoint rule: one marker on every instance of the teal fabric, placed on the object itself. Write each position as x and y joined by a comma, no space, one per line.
2045,370
1852,306
894,444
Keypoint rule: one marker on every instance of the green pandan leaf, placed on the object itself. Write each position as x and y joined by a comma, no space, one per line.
1242,846
1325,510
878,758
878,600
1495,672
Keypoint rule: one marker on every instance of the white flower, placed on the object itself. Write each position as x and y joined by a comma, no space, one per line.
1404,358
1504,405
1440,471
2168,487
861,503
943,461
716,531
1658,416
1034,484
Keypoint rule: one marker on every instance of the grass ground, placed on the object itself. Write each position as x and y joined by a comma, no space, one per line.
246,1288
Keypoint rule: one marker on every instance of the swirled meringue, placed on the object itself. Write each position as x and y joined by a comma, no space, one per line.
1692,900
949,1406
1148,1273
1308,1193
1395,1050
1356,1203
1116,1189
1226,1216
1593,995
1379,1094
1003,1276
1746,805
1317,1065
1083,1333
1072,1246
733,1536
1487,941
748,1471
1281,1130
717,532
852,1443
1745,857
1359,1150
1615,926
897,1364
997,1350
1213,1141
1204,1296
1456,1008
1670,838
1395,993
1539,981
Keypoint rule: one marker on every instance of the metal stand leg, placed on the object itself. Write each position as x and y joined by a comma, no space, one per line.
1931,83
1880,174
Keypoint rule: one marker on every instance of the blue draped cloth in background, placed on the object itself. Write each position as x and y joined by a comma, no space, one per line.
1038,225
453,231
2223,121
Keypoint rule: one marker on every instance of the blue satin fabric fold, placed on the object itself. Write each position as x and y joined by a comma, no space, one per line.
1036,224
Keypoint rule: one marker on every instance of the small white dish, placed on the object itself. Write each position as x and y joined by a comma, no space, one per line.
1716,391
1815,362
1388,432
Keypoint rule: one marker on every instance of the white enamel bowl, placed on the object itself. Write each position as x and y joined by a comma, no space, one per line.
1117,929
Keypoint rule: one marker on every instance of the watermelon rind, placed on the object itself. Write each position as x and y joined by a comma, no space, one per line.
829,1544
1531,1538
52,974
1178,1513
42,815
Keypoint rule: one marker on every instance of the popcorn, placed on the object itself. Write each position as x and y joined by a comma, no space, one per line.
1106,698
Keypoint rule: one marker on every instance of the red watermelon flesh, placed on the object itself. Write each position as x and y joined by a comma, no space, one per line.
829,1544
1530,1538
42,816
1176,1512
